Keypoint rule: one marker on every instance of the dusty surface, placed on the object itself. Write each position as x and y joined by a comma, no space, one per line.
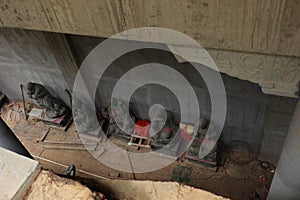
186,192
238,178
256,26
17,174
50,186
152,190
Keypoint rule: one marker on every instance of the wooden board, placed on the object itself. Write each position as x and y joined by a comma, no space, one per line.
30,132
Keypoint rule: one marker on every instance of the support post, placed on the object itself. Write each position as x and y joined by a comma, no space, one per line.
286,181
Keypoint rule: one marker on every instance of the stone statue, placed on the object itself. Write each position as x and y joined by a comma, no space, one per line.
162,128
84,116
54,107
121,121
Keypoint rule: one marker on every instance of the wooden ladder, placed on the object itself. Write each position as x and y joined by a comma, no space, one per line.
140,142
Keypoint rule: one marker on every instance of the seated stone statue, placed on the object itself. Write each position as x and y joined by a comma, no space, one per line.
121,121
84,117
162,127
54,107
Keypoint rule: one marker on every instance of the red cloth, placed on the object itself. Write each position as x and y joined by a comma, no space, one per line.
185,135
142,127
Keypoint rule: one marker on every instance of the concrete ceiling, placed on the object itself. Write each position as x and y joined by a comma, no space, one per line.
257,41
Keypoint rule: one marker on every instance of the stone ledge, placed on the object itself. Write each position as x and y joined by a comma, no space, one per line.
17,174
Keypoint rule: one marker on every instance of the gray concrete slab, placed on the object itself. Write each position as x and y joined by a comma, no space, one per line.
17,174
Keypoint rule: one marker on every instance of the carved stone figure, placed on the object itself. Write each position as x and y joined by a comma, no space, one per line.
54,107
84,117
162,128
121,121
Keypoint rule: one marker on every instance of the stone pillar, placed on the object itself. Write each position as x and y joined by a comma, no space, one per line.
286,181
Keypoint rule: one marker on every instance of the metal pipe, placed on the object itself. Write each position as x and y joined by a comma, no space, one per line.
65,166
286,181
9,141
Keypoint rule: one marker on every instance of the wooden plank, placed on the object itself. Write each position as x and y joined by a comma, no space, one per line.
140,141
64,147
142,137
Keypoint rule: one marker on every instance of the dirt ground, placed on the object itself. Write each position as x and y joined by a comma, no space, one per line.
49,186
240,176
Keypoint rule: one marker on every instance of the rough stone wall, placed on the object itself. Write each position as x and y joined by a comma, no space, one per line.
249,109
257,41
27,56
270,26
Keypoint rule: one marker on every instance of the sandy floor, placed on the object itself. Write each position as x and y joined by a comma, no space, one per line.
238,178
48,186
